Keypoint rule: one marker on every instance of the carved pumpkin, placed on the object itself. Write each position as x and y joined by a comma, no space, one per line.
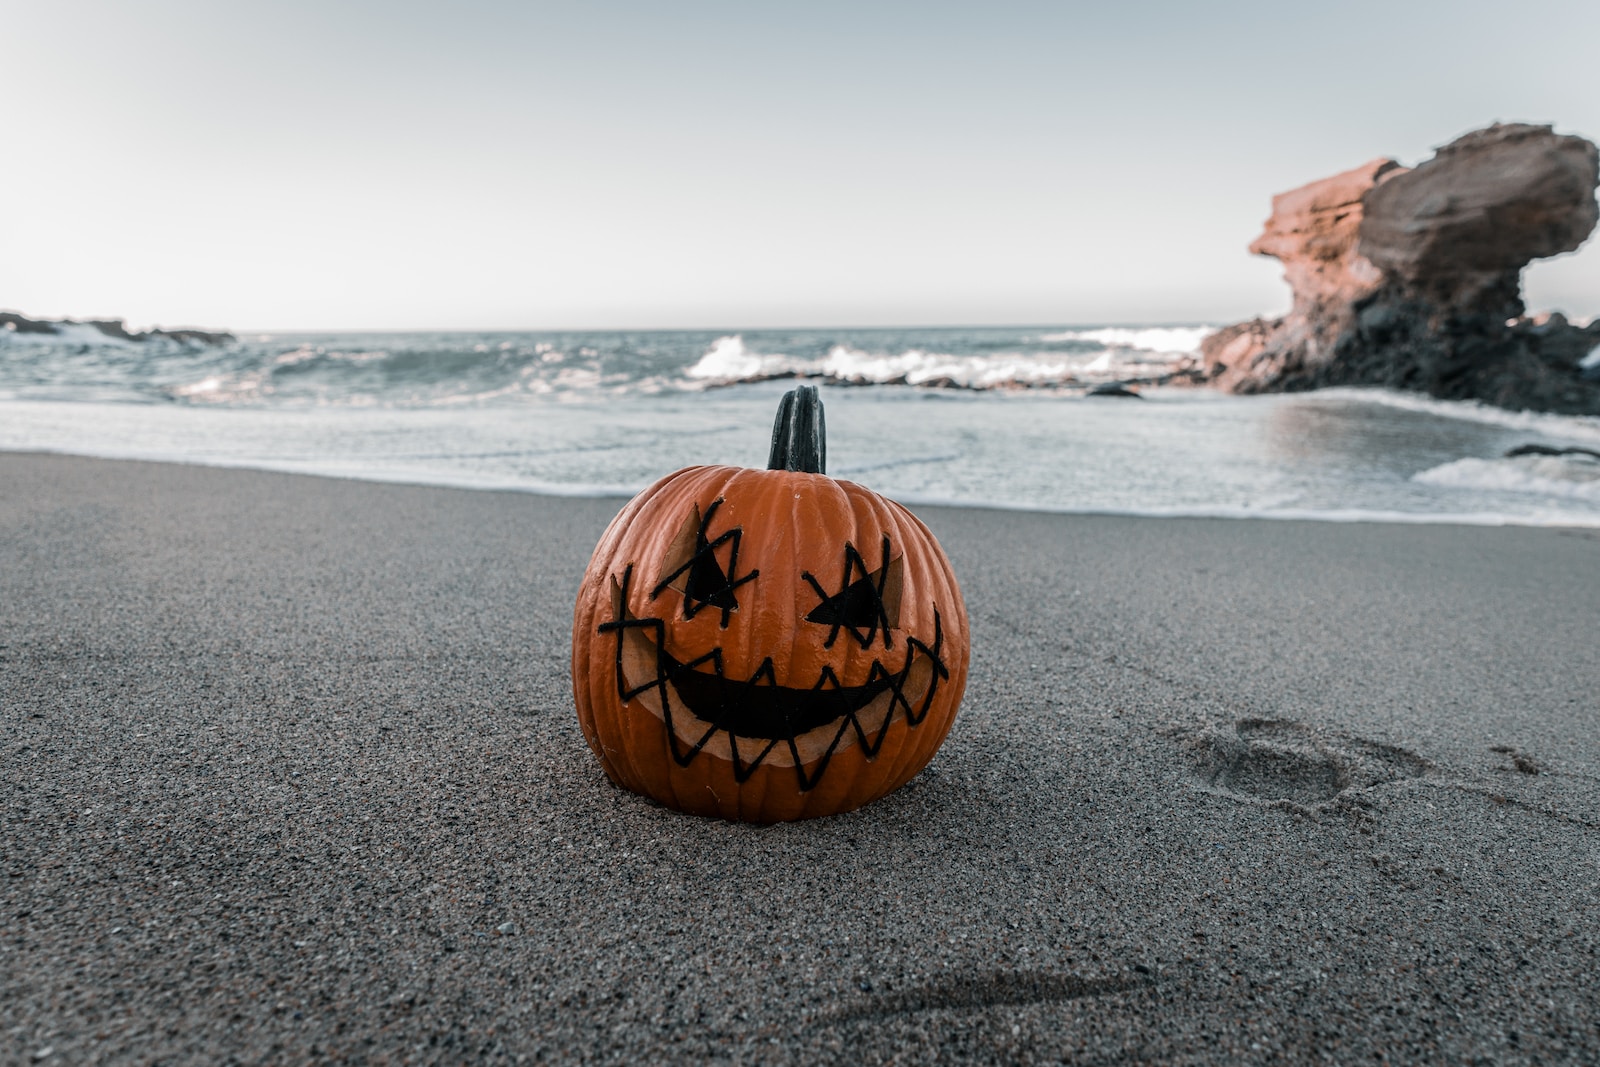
767,644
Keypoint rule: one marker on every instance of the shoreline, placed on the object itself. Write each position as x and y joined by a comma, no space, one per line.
1338,456
1489,520
291,772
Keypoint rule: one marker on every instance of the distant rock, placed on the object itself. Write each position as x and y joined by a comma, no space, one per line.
1122,389
1550,450
188,334
10,320
115,329
1411,278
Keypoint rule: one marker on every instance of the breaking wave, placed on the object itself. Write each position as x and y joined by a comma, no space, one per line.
1575,477
729,360
1573,427
1167,340
67,334
425,369
1065,359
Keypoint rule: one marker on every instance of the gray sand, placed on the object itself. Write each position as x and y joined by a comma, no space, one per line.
290,770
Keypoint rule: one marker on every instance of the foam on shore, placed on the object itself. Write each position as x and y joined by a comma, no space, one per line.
1573,476
1068,358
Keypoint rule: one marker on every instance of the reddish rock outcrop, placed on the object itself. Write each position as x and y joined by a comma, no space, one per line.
1411,278
1313,231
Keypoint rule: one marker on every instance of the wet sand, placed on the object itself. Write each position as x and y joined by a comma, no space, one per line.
290,771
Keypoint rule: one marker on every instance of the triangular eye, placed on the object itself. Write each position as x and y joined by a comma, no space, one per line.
856,607
695,571
865,603
706,584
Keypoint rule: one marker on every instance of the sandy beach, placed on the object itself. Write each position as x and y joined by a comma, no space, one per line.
290,772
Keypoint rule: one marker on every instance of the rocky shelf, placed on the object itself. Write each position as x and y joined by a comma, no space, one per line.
112,328
1411,278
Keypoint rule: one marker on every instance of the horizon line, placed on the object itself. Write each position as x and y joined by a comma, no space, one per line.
134,325
1050,324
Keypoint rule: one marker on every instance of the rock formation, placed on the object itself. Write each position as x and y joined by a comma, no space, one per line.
112,328
1412,278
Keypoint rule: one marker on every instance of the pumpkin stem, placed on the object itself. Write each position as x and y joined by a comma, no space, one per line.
799,435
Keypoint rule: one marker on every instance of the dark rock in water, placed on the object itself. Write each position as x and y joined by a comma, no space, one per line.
1411,278
1547,450
190,335
1114,389
10,320
113,328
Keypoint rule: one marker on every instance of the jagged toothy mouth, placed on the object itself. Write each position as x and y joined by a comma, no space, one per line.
767,711
756,720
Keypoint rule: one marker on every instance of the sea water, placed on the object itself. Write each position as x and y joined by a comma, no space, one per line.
995,417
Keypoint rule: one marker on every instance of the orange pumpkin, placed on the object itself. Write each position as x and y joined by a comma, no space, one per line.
767,644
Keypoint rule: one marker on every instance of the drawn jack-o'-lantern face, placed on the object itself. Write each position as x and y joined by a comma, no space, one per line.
766,644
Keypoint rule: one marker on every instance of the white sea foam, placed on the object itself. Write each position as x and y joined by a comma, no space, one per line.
1575,477
728,361
67,333
303,354
223,389
1576,427
1099,365
203,387
1551,517
913,366
1240,458
1173,340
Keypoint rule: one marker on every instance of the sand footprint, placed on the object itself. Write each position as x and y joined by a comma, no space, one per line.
1288,764
975,992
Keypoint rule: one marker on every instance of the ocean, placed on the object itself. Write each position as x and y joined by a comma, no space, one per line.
969,417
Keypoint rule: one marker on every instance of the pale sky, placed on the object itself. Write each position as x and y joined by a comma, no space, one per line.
501,165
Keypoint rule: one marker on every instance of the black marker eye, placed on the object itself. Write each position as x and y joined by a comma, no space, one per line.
697,573
856,607
707,586
865,601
